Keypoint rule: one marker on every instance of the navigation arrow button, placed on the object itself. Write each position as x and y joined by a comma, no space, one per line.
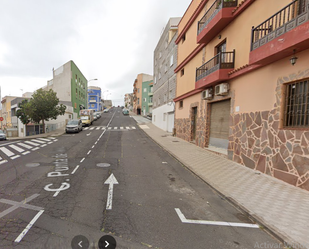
107,242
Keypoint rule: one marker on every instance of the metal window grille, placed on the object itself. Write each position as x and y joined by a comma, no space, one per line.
297,104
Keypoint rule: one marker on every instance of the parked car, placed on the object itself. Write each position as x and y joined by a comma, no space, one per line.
98,114
74,125
125,112
2,135
106,110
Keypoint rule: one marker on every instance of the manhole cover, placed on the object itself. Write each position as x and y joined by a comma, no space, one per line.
103,165
32,164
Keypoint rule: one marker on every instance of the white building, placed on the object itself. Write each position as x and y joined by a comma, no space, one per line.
164,85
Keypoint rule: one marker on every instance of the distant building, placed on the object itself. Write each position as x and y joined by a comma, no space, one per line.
70,85
6,112
108,103
164,87
128,101
94,98
137,91
147,94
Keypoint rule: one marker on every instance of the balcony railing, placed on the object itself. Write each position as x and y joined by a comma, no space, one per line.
281,22
222,60
213,11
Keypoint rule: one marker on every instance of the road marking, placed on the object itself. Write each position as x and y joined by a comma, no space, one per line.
44,139
38,141
75,169
16,148
215,223
25,145
96,142
91,128
88,134
50,143
89,152
87,128
92,147
43,145
4,161
16,205
128,128
52,138
23,233
14,157
25,153
98,128
111,181
115,128
64,186
133,128
35,148
82,160
7,152
34,144
109,128
121,128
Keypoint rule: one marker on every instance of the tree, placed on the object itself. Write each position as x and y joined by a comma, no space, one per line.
44,105
23,113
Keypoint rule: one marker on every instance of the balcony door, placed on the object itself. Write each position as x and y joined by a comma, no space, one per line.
221,48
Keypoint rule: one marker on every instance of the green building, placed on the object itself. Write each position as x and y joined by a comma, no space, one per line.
71,86
147,94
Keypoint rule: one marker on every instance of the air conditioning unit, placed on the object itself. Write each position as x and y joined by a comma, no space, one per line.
222,89
207,94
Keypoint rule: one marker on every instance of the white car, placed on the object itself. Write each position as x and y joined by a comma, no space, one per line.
2,135
74,125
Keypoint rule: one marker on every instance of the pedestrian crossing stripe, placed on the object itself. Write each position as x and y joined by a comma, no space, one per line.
7,151
108,128
25,145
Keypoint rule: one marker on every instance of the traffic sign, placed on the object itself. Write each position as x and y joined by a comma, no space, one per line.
1,118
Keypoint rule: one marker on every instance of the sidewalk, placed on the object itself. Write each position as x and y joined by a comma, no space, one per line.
54,133
277,206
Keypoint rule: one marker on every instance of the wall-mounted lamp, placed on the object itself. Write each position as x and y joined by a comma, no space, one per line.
294,58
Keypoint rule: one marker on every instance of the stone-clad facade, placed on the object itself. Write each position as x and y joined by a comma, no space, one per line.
258,141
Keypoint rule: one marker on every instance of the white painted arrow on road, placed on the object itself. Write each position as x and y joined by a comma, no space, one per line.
111,181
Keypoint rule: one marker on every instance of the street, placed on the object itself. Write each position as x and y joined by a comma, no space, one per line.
113,179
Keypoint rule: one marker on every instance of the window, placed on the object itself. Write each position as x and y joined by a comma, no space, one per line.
155,80
183,38
297,104
181,104
138,90
138,101
171,60
160,54
145,90
182,72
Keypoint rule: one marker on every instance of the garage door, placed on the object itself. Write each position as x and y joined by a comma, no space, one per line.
219,124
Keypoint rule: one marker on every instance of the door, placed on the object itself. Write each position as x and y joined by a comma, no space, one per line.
193,123
221,48
219,124
170,121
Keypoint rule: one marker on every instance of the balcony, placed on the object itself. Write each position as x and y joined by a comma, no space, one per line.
215,70
279,35
150,104
150,93
217,17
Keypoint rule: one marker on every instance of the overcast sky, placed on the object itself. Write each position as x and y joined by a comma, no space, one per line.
111,40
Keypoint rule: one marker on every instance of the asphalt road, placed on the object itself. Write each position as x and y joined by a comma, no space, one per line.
57,189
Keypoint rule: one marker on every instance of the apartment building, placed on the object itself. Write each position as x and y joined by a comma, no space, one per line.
243,83
147,95
128,101
70,85
137,91
94,98
164,88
